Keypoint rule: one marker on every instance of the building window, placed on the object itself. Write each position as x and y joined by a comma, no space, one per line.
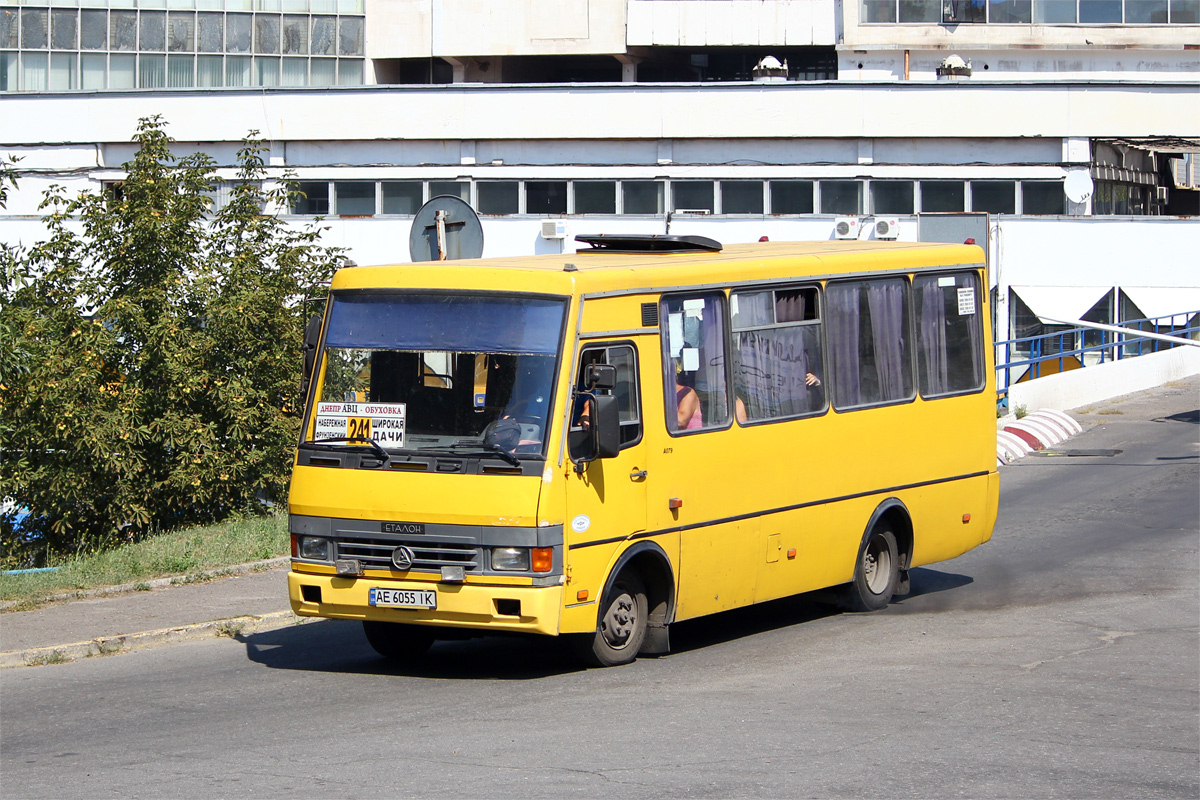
1024,12
499,197
841,197
545,197
891,197
216,28
741,197
401,197
791,197
994,197
1042,197
459,189
642,197
595,197
695,196
312,198
354,198
943,196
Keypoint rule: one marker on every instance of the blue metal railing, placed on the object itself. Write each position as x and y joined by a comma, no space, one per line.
1078,347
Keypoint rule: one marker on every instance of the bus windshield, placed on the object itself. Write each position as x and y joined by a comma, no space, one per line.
439,372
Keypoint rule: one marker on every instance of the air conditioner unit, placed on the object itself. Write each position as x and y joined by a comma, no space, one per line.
554,229
845,227
887,228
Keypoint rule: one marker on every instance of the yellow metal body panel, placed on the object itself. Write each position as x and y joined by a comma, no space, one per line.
749,494
466,605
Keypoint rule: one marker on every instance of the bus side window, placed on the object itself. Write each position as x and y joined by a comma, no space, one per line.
777,348
870,351
624,358
694,362
949,334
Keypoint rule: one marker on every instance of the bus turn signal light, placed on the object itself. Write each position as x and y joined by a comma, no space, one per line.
674,503
543,559
581,595
966,518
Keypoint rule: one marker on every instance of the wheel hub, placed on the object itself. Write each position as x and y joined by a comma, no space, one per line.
619,621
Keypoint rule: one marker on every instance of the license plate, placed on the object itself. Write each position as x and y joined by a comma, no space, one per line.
403,598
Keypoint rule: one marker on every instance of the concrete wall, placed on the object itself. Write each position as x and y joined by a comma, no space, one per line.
721,23
462,28
901,110
1082,387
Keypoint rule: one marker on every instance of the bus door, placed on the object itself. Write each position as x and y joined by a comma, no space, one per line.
606,498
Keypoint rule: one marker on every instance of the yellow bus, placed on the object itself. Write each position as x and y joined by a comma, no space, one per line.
599,444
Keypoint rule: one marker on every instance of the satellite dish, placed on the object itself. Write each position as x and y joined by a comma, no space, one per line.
445,228
1078,186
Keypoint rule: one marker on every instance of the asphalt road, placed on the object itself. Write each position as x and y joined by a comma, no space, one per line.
1062,659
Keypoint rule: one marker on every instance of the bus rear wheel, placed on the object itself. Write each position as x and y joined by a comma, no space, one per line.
621,628
876,574
398,642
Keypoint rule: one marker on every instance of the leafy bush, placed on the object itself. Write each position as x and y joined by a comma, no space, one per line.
155,354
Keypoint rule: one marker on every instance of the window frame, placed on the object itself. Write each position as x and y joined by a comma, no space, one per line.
735,352
722,316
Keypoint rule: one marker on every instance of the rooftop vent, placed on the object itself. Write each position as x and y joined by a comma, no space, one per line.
648,243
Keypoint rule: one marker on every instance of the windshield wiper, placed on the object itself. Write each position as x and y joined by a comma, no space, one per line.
490,449
374,445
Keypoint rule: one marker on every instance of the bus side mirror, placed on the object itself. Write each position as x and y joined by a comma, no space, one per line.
606,425
600,376
312,338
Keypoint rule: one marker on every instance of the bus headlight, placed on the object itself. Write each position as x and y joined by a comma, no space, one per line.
510,559
314,548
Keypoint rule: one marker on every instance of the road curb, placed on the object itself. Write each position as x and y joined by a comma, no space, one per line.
158,583
233,628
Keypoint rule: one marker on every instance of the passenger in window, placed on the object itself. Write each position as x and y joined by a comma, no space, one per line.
687,403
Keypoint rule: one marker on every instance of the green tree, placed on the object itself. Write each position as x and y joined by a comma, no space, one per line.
163,345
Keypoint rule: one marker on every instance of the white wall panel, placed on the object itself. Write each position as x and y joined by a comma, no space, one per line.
641,111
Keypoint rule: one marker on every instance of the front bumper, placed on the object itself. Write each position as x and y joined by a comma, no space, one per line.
459,605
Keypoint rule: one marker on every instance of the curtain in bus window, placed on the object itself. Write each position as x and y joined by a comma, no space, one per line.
931,330
869,348
949,334
771,373
842,312
886,302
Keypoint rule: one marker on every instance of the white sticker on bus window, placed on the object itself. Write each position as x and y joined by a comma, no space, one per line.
733,305
966,301
382,422
675,333
691,359
947,280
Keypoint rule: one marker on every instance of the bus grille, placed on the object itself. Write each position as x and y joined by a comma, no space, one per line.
374,553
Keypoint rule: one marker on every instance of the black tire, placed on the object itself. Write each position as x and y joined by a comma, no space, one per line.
876,574
395,641
621,625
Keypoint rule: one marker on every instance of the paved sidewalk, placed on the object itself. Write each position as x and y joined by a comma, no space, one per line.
111,623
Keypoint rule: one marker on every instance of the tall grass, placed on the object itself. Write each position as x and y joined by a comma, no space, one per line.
183,552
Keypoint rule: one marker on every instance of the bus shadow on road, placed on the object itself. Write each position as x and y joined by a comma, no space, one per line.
339,645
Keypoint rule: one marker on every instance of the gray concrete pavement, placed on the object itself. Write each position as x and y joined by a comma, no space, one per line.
253,600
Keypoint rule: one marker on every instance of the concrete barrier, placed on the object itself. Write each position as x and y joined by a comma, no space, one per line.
1082,387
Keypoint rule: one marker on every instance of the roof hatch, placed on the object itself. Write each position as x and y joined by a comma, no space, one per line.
648,243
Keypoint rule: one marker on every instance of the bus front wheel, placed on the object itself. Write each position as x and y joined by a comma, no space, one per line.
876,574
621,627
398,642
